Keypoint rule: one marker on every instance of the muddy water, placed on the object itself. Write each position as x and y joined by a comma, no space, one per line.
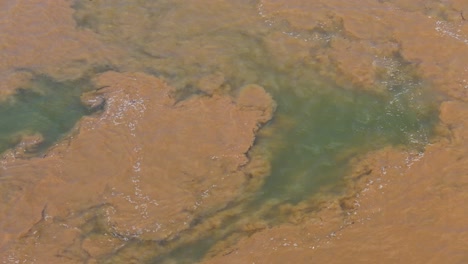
166,170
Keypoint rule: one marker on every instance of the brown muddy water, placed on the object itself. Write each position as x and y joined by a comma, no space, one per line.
233,131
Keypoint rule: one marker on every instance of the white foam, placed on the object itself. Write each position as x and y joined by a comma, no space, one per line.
451,30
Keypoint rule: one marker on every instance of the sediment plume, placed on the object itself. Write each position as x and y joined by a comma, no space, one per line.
143,168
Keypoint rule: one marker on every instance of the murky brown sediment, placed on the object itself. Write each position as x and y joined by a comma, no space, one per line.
429,34
160,167
113,185
402,207
407,209
41,37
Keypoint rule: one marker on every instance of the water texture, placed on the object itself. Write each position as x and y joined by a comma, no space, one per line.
184,43
45,107
324,119
340,93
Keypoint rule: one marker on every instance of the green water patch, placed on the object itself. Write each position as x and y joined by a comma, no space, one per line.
45,107
330,126
318,127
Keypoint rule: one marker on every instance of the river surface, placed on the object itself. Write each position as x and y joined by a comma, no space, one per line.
206,131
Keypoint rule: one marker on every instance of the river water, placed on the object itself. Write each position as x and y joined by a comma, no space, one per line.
340,92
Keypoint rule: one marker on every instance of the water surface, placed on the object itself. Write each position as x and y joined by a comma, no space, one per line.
44,107
321,122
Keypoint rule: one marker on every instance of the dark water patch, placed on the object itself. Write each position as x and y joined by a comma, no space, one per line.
331,126
327,125
46,108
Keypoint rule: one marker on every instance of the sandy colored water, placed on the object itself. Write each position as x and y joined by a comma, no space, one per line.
163,166
405,210
131,189
39,36
402,207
